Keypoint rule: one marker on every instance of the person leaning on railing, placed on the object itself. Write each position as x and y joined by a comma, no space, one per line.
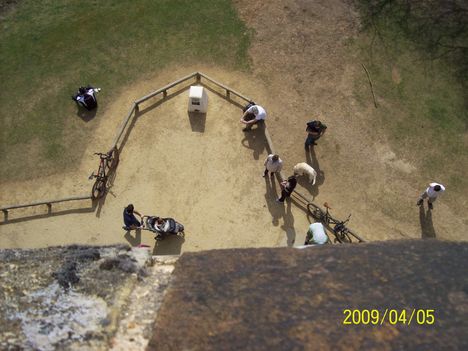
253,115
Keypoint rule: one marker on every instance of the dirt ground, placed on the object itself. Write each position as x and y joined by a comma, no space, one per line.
202,170
211,181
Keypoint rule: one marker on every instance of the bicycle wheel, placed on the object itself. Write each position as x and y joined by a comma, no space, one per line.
353,236
99,188
343,236
114,160
315,211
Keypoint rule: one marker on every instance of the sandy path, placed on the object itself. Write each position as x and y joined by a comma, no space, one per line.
206,174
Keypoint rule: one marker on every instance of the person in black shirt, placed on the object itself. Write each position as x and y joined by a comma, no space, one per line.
315,129
130,221
287,187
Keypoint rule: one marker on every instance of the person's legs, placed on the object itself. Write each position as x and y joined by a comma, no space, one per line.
308,237
284,194
430,201
421,198
247,118
310,140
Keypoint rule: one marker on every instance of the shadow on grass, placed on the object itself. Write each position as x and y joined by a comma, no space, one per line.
425,219
86,115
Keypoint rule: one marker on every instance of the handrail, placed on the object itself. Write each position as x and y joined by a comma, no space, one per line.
164,89
228,90
134,108
48,202
123,126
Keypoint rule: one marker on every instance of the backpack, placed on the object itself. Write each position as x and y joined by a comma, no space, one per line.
89,101
249,105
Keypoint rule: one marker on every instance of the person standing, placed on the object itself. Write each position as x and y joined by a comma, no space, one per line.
253,115
287,187
272,164
315,129
130,221
431,193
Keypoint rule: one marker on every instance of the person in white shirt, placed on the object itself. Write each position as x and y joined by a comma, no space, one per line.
272,164
431,193
253,115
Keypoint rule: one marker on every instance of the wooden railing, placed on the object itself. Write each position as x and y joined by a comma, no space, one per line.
197,76
48,203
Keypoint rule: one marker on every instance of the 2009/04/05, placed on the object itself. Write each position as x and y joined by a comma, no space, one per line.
393,316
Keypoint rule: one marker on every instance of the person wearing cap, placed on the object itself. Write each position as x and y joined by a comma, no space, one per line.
253,115
130,221
315,129
272,164
431,193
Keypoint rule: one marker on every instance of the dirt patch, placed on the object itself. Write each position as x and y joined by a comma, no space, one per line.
203,171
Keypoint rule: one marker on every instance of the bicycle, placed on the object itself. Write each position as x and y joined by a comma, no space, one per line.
339,229
107,163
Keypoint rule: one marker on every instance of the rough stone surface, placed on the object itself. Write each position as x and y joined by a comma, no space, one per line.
135,326
288,299
62,299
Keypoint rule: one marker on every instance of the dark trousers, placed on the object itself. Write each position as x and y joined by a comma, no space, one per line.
284,195
311,139
248,117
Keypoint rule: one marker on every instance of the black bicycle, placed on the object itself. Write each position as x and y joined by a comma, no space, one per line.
107,163
339,229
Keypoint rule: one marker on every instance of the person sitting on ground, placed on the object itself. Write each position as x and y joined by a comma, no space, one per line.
86,98
315,129
130,221
273,164
253,115
287,187
316,235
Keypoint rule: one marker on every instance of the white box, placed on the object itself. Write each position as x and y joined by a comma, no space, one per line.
198,100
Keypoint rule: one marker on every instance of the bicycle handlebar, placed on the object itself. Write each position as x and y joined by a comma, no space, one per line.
101,155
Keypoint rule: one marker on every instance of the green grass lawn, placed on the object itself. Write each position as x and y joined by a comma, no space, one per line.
48,48
422,104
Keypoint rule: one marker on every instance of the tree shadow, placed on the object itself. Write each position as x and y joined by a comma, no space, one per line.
255,140
197,121
171,245
311,159
425,219
86,115
133,240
